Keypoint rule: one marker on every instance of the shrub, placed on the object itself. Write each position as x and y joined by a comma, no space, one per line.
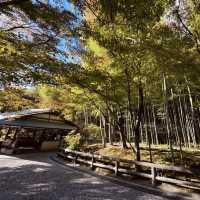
72,140
92,131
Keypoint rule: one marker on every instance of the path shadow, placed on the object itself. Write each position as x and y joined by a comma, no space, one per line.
39,179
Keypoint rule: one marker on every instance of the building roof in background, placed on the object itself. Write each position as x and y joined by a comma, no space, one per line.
36,124
19,114
36,118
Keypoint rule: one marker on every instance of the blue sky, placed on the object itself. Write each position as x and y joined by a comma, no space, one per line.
62,5
67,44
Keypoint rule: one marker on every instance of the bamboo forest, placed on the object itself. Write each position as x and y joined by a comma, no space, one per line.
118,79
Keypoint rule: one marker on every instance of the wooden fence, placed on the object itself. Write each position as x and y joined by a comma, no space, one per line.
148,170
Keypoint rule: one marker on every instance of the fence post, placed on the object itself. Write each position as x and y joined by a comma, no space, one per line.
75,159
116,167
153,174
92,163
64,152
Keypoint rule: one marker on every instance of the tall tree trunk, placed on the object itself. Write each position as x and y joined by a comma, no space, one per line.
86,117
110,128
150,135
167,120
138,122
181,119
177,126
192,113
130,107
121,124
155,126
102,128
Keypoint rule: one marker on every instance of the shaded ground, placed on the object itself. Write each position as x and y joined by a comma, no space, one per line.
34,176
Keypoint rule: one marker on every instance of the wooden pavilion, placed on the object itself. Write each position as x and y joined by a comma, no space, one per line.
34,129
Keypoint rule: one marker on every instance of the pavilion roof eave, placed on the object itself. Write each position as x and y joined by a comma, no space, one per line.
23,113
34,124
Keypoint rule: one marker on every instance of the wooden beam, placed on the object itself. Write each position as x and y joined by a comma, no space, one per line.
139,163
8,132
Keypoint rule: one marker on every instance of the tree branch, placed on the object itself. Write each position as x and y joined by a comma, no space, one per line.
194,36
4,3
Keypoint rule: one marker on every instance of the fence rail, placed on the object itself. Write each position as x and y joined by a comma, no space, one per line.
122,166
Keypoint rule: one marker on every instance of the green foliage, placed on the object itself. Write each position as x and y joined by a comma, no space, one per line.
33,56
92,131
14,99
127,44
72,140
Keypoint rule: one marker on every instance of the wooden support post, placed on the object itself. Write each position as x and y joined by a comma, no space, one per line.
153,174
1,133
16,132
92,163
75,159
137,168
116,167
8,132
34,134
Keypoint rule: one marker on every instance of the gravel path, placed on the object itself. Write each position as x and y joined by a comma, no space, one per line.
36,177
